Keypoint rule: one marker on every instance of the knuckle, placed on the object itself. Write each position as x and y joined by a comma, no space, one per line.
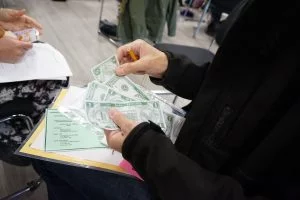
139,41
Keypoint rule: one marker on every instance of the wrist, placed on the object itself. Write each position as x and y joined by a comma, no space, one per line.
164,62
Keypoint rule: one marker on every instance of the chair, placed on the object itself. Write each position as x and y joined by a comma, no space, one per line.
31,186
34,184
8,112
197,55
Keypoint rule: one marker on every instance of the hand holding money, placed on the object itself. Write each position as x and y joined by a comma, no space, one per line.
152,61
116,138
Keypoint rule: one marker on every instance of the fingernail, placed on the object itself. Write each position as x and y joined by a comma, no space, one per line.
120,71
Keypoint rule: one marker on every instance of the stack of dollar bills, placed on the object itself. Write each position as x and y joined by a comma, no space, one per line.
109,91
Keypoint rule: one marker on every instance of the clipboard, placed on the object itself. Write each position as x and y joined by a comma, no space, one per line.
26,149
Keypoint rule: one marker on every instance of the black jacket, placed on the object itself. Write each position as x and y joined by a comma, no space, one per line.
240,138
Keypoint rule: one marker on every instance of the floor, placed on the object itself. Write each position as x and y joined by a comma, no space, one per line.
71,27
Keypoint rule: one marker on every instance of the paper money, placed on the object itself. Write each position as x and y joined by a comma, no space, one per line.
105,70
97,112
96,91
174,124
113,96
126,87
99,92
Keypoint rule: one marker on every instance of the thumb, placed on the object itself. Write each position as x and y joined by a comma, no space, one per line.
131,68
108,134
121,121
114,139
25,45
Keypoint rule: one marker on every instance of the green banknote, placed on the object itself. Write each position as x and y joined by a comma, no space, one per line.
96,91
105,70
126,87
139,111
114,96
99,92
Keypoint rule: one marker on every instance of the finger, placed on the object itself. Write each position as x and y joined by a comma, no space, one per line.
131,68
122,52
21,53
33,23
25,45
121,120
114,139
124,60
135,46
18,13
18,55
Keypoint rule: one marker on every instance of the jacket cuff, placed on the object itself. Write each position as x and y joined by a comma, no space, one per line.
134,136
172,74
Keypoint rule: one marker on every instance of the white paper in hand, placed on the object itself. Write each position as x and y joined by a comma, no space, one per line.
41,62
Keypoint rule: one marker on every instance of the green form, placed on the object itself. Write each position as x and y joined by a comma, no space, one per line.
62,133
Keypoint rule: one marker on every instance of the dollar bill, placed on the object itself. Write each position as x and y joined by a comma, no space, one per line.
96,91
99,92
139,111
105,70
114,96
174,124
126,87
169,120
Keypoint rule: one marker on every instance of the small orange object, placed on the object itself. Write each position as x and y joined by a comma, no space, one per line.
132,55
20,37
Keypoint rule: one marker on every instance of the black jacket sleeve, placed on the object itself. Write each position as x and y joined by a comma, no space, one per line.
182,74
171,174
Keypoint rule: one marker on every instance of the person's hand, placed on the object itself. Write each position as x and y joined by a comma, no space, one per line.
16,20
10,14
116,138
151,61
12,50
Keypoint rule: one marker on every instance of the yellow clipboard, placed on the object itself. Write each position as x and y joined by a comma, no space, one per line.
26,150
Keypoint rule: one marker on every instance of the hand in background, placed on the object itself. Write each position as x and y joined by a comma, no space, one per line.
151,61
16,20
116,138
12,50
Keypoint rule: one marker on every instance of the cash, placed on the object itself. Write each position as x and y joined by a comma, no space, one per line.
105,73
113,96
99,92
105,70
96,91
139,111
125,86
174,124
109,91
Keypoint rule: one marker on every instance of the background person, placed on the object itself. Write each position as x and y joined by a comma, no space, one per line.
25,97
